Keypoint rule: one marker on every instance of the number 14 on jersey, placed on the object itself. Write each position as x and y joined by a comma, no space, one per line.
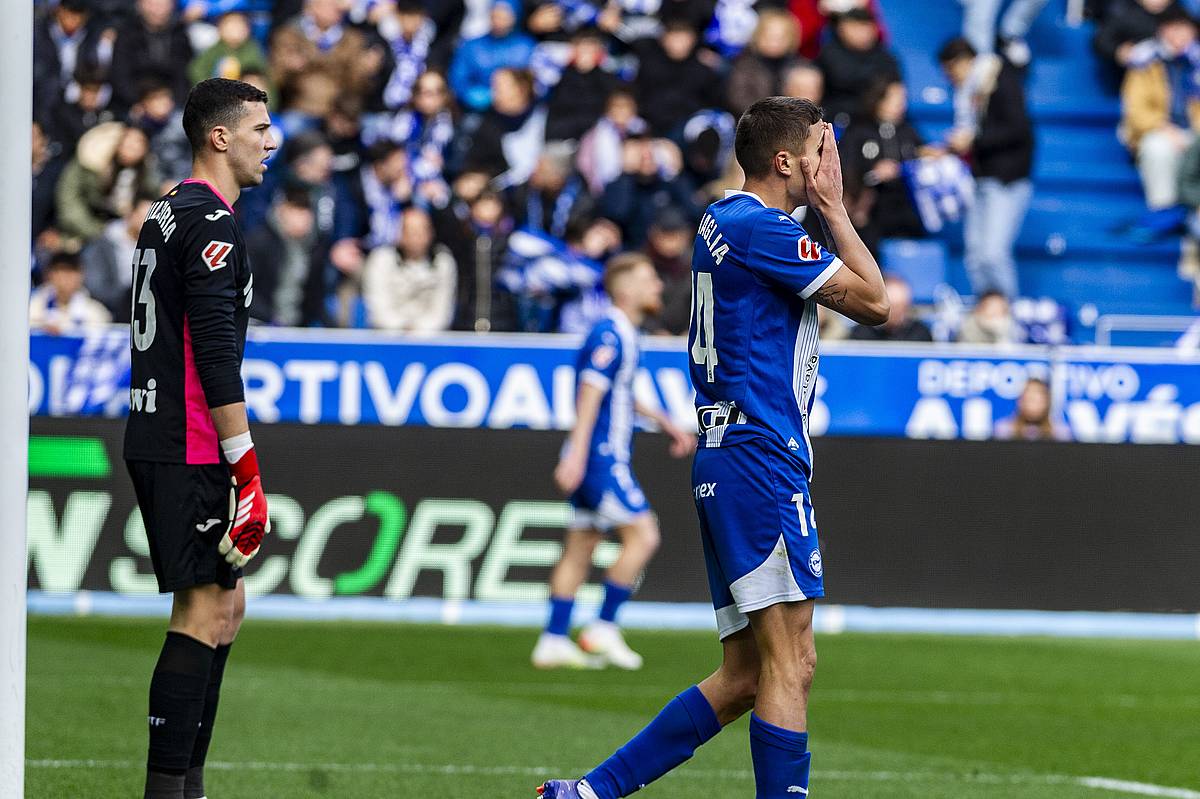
704,345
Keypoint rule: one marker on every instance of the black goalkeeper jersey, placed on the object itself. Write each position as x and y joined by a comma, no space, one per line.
191,303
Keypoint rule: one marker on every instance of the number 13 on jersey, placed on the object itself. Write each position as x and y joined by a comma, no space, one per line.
704,346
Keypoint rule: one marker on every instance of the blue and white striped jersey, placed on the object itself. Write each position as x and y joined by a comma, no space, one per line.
753,334
608,360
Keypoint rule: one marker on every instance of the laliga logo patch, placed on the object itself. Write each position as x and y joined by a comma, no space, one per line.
809,249
814,563
603,355
215,253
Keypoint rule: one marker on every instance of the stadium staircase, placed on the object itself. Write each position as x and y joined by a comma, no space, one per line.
1074,246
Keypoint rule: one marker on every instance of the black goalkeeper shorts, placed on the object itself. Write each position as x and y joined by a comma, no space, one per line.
186,512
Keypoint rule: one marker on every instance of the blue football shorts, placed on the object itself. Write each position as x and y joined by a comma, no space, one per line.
609,497
758,530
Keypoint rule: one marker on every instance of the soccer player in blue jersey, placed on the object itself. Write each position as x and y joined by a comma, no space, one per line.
594,471
757,277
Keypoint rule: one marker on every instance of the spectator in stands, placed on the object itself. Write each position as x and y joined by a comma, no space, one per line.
697,13
901,325
426,131
599,155
553,195
85,107
370,202
578,99
1160,106
410,34
475,226
155,112
317,57
814,16
409,285
1033,419
675,79
1189,197
669,247
758,70
509,138
66,41
852,60
999,143
1126,24
154,44
873,150
991,322
476,62
106,260
48,162
649,168
112,166
556,20
980,19
61,305
234,53
289,256
804,79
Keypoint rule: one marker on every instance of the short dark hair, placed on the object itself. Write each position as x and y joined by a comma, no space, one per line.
213,102
65,260
955,49
1175,15
770,125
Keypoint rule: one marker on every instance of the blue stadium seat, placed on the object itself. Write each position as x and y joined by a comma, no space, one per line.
1073,246
922,262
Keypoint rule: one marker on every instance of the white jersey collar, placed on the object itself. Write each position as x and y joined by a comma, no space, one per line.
734,192
622,320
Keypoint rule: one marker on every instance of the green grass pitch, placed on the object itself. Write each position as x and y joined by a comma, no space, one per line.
373,710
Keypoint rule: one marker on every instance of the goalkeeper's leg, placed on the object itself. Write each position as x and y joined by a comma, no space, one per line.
201,617
194,784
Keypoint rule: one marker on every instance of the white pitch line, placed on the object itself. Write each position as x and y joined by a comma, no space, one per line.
458,770
1138,788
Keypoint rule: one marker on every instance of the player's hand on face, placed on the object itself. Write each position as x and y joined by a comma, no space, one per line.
824,179
569,473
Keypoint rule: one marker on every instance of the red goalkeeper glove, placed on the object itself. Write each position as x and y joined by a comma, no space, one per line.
248,519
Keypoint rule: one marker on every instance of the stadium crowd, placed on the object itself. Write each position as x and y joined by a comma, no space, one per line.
470,164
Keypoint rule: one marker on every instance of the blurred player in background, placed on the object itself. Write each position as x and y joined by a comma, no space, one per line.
187,441
757,278
594,472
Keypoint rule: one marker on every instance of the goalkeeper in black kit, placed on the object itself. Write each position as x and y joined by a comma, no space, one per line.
187,441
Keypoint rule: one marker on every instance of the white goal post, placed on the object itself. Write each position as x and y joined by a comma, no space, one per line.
16,102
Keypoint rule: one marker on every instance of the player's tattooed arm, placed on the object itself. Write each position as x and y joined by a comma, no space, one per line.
832,295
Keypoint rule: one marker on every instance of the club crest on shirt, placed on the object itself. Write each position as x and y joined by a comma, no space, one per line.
215,253
809,249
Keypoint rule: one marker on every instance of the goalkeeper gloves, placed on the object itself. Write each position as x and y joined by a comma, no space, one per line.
248,519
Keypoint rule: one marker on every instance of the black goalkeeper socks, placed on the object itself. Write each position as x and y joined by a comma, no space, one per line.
177,698
193,783
163,786
194,787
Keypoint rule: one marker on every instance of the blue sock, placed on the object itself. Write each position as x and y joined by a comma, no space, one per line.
781,760
560,615
615,595
675,733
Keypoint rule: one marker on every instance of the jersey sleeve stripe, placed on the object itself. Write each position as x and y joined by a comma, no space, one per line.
594,378
821,279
